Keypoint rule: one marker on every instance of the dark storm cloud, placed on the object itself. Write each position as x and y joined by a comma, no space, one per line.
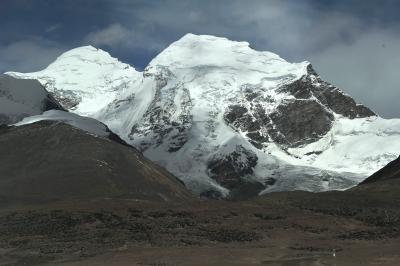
354,44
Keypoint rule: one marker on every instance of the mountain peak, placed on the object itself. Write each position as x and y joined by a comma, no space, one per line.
207,106
84,51
206,50
190,37
84,55
84,79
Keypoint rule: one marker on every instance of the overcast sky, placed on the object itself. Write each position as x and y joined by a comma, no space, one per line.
355,44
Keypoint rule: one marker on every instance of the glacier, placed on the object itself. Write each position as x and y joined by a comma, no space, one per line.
227,119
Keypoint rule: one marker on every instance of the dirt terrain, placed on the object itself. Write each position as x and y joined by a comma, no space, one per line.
50,161
359,227
69,198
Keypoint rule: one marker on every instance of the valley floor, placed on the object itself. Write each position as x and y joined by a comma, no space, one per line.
365,254
361,226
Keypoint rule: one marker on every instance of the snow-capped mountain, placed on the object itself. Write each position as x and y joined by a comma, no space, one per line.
86,79
225,118
21,98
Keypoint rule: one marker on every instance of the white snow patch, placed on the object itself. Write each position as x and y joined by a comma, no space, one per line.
87,124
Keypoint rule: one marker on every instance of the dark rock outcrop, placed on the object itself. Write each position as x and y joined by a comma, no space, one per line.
295,122
329,95
232,171
300,122
254,121
211,194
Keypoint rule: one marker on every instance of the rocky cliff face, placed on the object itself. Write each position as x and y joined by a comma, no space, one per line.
223,117
301,119
160,124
